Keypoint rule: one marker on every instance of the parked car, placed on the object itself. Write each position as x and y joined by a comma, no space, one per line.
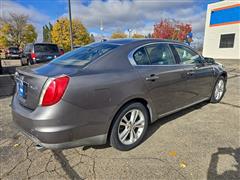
12,52
110,91
61,50
39,53
77,46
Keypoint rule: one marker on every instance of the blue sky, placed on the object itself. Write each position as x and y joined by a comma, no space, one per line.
117,15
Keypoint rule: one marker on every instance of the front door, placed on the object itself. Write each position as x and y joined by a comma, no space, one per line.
199,76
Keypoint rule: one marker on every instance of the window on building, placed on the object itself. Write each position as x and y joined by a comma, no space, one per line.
227,41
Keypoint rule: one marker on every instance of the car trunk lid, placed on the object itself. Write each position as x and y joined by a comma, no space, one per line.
29,87
31,80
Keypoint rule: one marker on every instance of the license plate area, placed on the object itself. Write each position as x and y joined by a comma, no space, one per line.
22,89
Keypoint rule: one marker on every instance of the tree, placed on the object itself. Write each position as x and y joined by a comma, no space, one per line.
16,31
138,36
61,35
47,29
118,35
149,35
167,29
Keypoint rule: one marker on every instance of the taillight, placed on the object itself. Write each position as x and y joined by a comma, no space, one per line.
54,91
33,56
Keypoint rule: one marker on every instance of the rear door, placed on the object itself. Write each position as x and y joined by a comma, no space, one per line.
163,77
199,75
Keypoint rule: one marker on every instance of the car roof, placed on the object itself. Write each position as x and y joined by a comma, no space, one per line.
45,43
132,41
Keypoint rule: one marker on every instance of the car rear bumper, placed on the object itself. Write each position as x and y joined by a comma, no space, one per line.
50,127
95,140
13,55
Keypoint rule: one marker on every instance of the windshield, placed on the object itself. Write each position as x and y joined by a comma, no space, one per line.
45,48
84,55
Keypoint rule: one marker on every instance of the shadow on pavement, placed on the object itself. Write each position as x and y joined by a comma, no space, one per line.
157,124
160,122
228,174
70,172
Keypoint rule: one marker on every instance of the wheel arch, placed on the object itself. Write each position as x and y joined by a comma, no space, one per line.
224,74
133,100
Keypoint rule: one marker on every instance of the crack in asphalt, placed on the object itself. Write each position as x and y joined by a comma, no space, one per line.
16,165
71,173
234,76
229,104
28,158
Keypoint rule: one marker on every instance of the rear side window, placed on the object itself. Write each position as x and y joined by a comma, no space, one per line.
84,55
140,57
160,54
45,48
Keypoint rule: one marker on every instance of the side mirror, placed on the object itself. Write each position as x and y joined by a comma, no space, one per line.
209,60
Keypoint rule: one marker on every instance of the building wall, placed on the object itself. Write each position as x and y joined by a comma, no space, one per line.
213,32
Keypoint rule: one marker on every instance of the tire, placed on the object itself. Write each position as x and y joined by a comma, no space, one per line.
22,64
126,136
221,90
29,63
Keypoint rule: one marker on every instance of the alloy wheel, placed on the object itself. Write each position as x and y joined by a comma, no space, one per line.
219,90
131,126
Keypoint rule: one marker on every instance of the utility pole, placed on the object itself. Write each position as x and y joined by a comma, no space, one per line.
129,33
70,20
101,28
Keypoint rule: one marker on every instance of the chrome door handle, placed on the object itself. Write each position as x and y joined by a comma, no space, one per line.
152,78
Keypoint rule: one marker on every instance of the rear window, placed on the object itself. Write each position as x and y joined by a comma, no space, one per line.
14,49
84,55
45,48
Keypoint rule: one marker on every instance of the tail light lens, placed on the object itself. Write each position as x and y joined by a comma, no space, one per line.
54,91
33,56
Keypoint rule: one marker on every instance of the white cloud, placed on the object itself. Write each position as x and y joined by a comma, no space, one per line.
139,15
120,15
35,17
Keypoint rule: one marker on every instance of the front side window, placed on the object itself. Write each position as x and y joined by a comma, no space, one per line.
186,55
160,54
84,55
227,41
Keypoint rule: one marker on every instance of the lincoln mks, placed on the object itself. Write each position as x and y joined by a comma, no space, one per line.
109,92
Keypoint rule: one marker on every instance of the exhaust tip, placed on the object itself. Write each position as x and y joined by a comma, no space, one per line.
40,148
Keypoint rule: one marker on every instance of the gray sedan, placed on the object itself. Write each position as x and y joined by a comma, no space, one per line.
108,92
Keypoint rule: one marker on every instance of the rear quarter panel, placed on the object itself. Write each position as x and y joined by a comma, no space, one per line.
102,94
